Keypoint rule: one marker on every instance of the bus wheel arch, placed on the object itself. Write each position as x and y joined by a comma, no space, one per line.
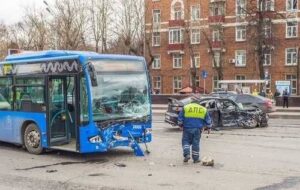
31,137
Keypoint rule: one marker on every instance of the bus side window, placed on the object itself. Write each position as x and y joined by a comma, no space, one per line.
6,97
30,95
84,117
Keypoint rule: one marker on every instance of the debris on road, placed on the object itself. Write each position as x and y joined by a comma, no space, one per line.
51,171
149,174
120,165
172,165
97,174
207,161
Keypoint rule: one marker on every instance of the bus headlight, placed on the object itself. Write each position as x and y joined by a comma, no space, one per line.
95,139
148,131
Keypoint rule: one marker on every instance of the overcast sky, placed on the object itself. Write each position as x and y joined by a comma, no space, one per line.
11,11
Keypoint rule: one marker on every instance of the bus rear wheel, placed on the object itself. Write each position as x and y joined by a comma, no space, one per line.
32,139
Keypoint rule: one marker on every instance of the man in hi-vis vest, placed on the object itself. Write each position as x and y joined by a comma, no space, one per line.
192,118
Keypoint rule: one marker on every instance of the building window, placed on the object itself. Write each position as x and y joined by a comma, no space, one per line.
156,83
291,5
240,58
216,84
178,12
177,61
293,79
216,36
217,9
267,31
241,77
267,58
156,16
177,84
292,29
240,34
175,36
195,10
240,7
266,5
216,59
196,58
156,39
291,56
195,36
156,62
197,81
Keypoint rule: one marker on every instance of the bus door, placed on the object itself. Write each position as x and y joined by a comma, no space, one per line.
61,114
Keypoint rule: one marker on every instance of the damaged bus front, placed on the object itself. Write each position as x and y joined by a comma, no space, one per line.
119,105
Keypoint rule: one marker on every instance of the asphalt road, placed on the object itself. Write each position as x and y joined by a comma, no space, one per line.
259,159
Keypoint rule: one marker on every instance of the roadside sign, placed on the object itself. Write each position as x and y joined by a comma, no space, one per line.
204,74
282,85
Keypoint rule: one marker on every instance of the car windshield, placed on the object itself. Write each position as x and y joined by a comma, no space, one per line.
121,92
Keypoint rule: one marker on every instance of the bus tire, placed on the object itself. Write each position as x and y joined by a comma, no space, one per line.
32,139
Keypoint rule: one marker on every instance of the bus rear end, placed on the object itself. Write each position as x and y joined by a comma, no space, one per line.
119,111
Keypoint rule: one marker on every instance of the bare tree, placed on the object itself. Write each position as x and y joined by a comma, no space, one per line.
130,26
100,12
259,16
69,23
37,24
215,38
3,40
190,27
22,34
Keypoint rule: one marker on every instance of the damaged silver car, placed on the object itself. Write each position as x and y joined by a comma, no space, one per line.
225,113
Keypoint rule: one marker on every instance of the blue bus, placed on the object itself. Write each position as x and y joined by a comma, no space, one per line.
75,101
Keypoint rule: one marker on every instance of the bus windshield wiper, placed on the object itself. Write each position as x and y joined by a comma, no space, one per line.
106,123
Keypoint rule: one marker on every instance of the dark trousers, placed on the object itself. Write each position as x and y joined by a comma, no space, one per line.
191,137
285,102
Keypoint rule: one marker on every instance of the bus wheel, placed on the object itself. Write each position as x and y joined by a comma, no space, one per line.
32,139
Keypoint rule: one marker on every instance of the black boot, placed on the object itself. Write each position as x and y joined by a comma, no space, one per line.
186,158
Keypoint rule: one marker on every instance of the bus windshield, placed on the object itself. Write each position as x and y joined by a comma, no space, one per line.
121,91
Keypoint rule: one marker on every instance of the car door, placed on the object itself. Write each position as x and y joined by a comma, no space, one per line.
228,113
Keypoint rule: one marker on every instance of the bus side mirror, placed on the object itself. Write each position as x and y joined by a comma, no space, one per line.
93,74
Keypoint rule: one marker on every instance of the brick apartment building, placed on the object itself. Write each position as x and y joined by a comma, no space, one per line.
222,36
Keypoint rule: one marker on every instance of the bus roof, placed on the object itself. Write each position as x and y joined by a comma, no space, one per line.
52,54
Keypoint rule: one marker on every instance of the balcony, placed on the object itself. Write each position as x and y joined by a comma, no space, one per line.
216,19
266,14
176,48
216,45
175,23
